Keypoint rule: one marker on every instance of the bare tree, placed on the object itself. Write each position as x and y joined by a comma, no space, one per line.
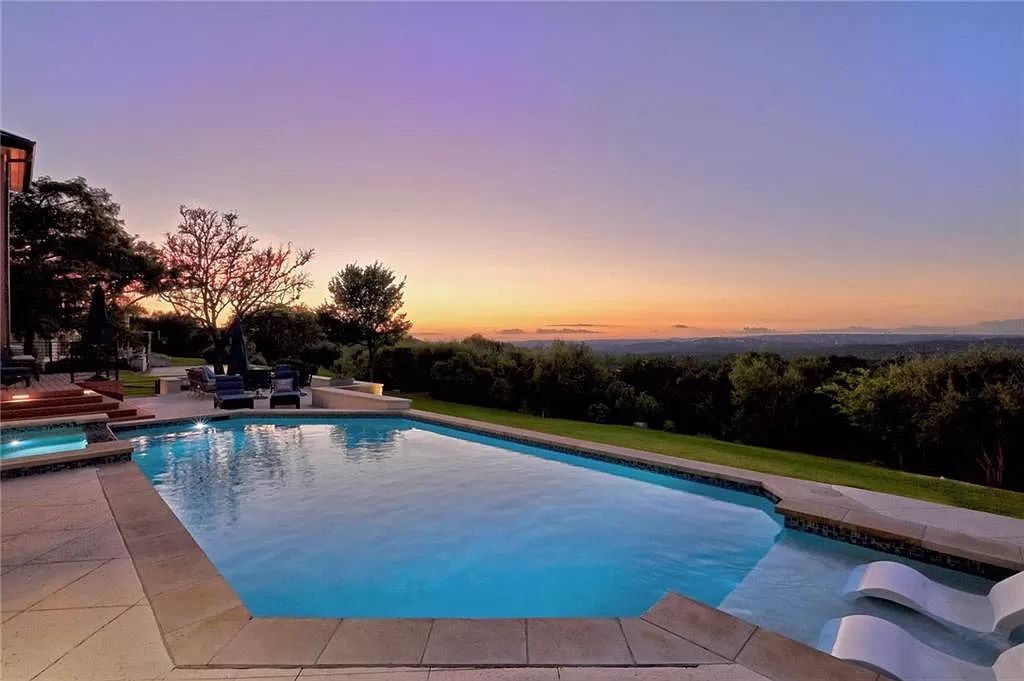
222,272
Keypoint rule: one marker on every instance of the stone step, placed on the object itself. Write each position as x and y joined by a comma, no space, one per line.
17,406
100,407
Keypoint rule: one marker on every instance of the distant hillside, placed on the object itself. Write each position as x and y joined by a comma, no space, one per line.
868,345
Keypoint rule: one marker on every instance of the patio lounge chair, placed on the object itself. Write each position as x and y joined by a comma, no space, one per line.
201,380
231,394
285,389
886,648
17,370
1000,611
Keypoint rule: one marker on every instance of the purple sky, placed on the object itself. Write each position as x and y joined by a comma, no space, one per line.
535,166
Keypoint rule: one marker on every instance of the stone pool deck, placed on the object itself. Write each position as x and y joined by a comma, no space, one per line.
101,581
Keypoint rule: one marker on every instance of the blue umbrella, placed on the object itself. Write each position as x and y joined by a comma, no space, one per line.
238,357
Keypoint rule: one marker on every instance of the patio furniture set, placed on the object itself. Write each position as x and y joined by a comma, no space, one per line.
239,391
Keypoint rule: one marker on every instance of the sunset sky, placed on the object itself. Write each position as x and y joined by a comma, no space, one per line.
613,170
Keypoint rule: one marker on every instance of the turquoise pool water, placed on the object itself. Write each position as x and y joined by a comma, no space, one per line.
399,518
18,443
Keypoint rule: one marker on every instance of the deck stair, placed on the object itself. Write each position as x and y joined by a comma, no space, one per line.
65,402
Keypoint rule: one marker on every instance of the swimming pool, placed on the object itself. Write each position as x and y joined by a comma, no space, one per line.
392,517
19,442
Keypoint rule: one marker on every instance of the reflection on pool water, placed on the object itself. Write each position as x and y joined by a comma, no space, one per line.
16,443
356,517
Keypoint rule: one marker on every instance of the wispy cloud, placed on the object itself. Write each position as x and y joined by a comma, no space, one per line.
583,326
511,332
680,326
565,329
757,329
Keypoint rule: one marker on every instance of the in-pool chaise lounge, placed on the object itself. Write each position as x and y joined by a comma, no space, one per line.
1000,612
886,648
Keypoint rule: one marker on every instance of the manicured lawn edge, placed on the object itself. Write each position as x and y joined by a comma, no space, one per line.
762,459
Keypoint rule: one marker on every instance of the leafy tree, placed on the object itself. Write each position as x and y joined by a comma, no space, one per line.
67,238
284,331
759,394
223,272
566,377
173,334
365,309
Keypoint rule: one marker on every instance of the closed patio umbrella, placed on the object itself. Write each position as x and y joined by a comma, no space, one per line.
238,357
97,326
97,330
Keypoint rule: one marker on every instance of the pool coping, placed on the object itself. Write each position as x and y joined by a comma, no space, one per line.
204,624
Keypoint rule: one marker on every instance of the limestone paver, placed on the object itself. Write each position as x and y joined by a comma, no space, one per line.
130,647
175,572
219,674
576,641
468,642
506,674
24,548
385,641
194,603
77,517
163,546
717,672
273,641
196,643
79,486
114,583
653,645
782,659
133,506
972,547
365,673
100,543
34,640
380,674
152,524
21,519
884,526
24,586
936,515
709,628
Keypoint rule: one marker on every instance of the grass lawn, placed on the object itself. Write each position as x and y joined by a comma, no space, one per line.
137,384
143,385
186,361
779,462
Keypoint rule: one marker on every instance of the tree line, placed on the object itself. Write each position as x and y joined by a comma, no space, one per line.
959,415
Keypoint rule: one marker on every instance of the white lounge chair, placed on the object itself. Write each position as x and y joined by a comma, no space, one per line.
1000,612
885,648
